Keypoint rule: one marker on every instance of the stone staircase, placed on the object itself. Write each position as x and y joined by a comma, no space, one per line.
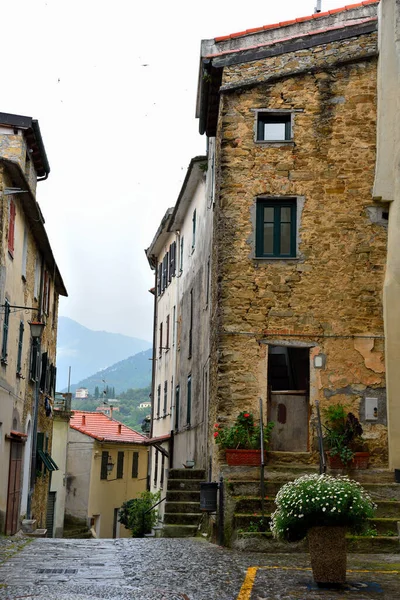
182,506
245,528
76,528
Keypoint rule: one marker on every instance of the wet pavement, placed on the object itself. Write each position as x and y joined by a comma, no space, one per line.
180,569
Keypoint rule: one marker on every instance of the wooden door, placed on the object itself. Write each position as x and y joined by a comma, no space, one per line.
14,488
289,411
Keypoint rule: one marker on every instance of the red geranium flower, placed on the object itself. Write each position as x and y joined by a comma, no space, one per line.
216,426
216,434
246,415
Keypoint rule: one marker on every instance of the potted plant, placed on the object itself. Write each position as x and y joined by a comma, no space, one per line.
343,439
322,508
242,441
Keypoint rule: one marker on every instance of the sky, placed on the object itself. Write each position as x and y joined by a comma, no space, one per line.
113,86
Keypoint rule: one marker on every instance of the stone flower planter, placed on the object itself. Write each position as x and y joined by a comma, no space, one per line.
360,461
327,546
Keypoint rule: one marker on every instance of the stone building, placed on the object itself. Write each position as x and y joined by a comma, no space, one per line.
180,255
299,241
30,285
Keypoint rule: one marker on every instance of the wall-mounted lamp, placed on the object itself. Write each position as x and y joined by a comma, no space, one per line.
319,361
36,329
110,464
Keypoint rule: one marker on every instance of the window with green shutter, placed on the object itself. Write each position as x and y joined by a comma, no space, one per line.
189,401
276,228
5,331
20,342
120,465
104,461
135,465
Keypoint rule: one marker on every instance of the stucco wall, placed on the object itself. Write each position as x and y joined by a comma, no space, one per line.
79,461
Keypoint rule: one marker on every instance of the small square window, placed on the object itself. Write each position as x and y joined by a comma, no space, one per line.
276,228
274,127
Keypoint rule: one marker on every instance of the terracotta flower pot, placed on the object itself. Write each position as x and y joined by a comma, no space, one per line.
327,546
236,457
360,461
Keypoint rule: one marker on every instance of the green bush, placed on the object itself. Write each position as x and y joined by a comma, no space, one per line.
133,514
320,500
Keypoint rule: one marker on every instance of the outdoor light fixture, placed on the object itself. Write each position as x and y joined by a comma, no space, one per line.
319,361
36,329
110,464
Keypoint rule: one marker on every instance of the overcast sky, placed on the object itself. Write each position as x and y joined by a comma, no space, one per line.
113,85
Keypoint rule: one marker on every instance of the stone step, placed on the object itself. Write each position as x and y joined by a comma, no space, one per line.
183,495
264,542
190,485
198,474
178,531
182,518
388,508
383,491
182,507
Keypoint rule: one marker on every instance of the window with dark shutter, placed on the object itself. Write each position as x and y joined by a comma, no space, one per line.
20,342
167,333
5,331
43,375
165,272
135,465
35,360
158,400
177,395
104,461
11,227
190,325
159,272
161,340
39,449
120,465
165,397
172,260
189,401
156,468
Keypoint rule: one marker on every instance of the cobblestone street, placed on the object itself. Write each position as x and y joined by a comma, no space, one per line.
180,569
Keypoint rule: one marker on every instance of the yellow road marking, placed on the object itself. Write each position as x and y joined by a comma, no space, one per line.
247,587
245,590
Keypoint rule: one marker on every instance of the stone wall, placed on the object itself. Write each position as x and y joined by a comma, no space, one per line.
329,296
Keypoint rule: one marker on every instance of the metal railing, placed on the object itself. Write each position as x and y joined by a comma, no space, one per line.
146,512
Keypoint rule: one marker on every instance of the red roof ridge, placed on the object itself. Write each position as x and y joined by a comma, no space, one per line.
103,428
290,37
232,36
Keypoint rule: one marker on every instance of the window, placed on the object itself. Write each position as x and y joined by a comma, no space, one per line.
135,465
24,254
162,471
104,462
161,341
158,400
159,272
20,342
5,331
120,465
194,229
177,394
35,360
274,126
164,282
156,467
181,256
189,401
276,228
167,333
190,325
37,278
172,394
46,293
173,325
172,261
165,397
11,226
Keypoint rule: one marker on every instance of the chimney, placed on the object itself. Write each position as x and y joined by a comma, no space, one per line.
83,420
119,427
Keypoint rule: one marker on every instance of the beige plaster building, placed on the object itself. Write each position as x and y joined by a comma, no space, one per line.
30,285
107,465
299,240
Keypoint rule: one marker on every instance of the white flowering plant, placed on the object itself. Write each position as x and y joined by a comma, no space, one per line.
320,500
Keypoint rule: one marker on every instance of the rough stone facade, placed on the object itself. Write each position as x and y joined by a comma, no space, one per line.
327,298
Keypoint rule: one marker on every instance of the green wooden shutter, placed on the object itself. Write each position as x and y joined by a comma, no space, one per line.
135,464
104,461
120,465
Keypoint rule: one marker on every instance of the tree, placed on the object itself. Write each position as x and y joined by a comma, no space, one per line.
96,392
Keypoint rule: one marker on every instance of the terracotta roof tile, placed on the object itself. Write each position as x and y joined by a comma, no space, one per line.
99,426
232,36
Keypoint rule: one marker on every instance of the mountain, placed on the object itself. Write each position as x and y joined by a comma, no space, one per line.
87,351
132,373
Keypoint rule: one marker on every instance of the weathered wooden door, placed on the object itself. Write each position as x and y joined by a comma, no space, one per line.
289,411
14,488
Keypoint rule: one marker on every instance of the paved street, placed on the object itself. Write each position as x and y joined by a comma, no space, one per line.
180,569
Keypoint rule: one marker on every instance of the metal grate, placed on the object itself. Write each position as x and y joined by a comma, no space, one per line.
57,571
